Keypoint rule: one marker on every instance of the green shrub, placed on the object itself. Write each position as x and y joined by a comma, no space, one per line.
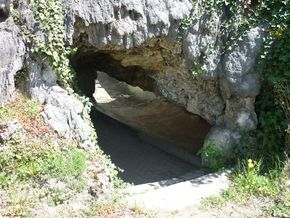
274,102
212,156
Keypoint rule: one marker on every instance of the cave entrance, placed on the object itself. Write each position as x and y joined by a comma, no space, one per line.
148,137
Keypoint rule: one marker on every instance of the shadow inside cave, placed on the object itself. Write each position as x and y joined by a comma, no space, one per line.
140,161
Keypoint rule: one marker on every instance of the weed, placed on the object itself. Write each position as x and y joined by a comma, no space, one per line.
212,156
61,165
32,108
20,198
5,114
78,184
249,180
40,164
216,201
58,196
41,167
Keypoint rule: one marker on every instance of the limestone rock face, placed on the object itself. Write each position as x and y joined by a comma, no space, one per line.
141,36
202,45
237,76
63,112
195,73
124,24
12,51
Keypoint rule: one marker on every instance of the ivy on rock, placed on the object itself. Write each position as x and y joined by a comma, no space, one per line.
50,45
51,16
273,104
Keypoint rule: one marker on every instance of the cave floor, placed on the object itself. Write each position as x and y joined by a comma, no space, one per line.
140,161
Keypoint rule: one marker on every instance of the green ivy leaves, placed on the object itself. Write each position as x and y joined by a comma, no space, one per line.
50,14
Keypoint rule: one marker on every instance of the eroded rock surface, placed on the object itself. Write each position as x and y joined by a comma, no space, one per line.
124,24
141,35
196,73
12,51
63,112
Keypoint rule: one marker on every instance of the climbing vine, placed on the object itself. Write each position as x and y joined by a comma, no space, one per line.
273,105
49,43
51,16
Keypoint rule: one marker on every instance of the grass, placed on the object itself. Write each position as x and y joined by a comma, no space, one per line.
35,156
249,181
22,109
39,169
18,164
36,153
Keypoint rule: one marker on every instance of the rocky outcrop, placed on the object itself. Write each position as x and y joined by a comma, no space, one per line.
196,74
141,36
63,112
124,24
12,52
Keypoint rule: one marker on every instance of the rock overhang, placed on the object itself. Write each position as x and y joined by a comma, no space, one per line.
196,73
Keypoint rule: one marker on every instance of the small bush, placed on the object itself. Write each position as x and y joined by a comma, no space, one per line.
212,156
61,165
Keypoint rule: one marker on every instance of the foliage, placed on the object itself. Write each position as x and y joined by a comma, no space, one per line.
23,110
274,101
39,164
51,46
32,108
212,156
249,181
35,152
51,16
273,16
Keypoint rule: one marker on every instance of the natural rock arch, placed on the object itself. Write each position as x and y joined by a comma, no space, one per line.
141,36
225,84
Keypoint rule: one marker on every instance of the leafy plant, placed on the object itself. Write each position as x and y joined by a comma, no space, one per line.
32,108
281,209
51,16
5,114
33,164
250,180
274,102
212,156
58,196
273,105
